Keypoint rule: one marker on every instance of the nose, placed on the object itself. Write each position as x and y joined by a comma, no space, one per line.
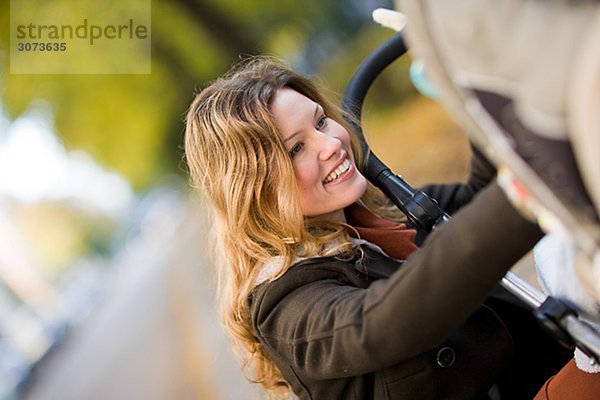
328,146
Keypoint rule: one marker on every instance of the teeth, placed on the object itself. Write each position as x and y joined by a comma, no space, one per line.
338,171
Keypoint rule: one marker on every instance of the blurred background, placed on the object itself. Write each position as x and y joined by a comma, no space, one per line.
106,290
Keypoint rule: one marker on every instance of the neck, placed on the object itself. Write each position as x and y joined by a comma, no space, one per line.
334,216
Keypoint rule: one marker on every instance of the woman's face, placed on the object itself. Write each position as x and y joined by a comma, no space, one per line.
320,150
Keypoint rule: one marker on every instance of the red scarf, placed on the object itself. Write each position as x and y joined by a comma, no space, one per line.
393,237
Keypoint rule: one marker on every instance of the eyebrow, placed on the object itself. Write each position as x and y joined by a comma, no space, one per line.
317,108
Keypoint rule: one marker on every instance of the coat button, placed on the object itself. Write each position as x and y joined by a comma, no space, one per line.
445,357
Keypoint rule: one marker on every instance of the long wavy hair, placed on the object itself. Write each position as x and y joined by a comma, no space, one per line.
237,160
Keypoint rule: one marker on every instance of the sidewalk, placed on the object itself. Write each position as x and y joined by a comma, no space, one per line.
155,335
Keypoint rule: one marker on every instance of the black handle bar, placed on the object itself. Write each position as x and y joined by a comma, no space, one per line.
559,318
420,209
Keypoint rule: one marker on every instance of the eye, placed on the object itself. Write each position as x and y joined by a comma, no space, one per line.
322,122
296,149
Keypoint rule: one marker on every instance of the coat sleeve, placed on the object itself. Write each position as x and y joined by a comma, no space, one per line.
325,328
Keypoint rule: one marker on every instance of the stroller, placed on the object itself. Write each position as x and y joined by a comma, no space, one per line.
564,202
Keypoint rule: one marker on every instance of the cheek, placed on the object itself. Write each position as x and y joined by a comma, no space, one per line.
307,175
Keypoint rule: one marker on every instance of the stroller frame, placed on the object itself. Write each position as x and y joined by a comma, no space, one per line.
558,317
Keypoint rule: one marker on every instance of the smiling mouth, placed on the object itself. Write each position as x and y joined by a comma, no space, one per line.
339,171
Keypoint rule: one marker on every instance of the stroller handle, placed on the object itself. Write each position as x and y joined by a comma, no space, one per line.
421,210
559,318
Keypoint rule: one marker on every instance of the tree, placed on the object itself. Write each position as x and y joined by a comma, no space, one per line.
134,123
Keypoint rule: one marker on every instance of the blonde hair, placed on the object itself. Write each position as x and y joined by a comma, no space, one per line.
237,160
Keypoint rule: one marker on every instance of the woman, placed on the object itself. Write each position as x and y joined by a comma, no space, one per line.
324,296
